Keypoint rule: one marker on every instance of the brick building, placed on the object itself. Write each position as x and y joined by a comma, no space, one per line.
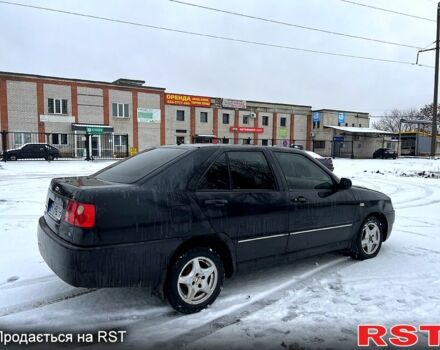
127,114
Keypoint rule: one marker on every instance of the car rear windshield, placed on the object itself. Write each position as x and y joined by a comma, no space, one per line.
135,168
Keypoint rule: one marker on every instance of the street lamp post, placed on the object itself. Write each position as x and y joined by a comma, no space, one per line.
434,114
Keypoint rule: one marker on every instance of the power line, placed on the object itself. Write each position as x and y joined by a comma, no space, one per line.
389,11
328,53
296,25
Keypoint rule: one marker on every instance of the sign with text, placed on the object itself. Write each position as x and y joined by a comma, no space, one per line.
187,100
236,104
246,129
57,118
316,117
148,115
94,130
341,117
282,133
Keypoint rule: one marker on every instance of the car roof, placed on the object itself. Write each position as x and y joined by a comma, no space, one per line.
235,147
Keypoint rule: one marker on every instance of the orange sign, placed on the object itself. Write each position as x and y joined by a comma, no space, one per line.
187,100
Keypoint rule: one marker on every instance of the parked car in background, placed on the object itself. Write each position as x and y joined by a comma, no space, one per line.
384,153
326,161
230,208
300,147
32,151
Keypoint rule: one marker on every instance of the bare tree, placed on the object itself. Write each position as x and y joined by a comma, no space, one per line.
391,120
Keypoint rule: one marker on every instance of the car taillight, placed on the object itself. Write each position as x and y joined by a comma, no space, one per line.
80,214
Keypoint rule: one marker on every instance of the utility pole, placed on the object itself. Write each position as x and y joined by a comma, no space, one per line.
434,116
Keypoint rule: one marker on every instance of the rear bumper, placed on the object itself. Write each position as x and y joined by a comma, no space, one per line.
123,265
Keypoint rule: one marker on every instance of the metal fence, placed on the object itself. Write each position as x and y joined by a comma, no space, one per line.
58,145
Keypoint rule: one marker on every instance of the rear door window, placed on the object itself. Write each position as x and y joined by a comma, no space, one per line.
135,168
217,176
250,171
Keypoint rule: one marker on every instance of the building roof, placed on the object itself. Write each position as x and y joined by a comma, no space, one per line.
279,104
357,130
338,111
119,82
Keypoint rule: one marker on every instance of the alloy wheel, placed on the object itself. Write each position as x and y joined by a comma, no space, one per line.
370,238
197,280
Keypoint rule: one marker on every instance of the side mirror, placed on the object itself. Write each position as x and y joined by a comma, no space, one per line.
345,184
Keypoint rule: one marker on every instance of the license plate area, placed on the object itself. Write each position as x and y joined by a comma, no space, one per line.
55,208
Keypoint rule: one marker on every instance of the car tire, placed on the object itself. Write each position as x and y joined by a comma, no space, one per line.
12,157
49,157
369,239
194,280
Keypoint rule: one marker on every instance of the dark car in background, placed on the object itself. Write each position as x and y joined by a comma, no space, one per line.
326,161
32,151
385,153
180,219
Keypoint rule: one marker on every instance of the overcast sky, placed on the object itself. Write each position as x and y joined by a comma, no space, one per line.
39,42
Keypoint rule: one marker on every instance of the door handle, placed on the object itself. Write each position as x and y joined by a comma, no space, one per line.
216,202
299,199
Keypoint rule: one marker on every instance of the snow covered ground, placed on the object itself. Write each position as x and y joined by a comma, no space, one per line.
314,303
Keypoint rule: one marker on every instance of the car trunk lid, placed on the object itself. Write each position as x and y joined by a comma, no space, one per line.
61,191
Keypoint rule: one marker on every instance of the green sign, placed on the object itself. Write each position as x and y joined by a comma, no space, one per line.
282,133
148,115
94,130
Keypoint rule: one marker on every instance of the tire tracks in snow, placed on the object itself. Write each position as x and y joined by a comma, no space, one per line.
74,293
427,192
191,328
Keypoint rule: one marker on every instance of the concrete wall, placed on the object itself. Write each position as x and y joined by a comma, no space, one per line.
172,124
224,129
62,92
90,106
204,128
122,126
22,106
300,131
148,133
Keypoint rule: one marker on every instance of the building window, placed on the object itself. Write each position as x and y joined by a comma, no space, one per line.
264,142
21,138
319,144
120,140
245,119
203,117
346,124
120,110
316,125
180,140
265,120
352,125
59,139
180,115
225,118
56,106
283,122
247,141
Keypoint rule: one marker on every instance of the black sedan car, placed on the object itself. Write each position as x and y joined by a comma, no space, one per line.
182,218
384,153
32,151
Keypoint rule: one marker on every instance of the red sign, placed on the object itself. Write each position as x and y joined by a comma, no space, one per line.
246,129
400,335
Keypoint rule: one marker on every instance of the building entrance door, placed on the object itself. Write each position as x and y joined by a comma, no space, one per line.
95,145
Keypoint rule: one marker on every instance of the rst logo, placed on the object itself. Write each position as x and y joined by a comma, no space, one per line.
401,335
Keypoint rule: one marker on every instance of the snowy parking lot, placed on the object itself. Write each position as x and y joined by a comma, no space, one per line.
313,303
